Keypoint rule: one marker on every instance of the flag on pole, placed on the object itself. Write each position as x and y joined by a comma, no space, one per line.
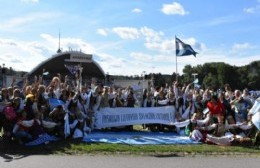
45,73
74,69
196,81
183,49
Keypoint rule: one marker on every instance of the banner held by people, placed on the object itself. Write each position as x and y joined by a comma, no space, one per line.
114,117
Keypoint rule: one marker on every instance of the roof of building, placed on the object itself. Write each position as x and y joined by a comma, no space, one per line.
60,62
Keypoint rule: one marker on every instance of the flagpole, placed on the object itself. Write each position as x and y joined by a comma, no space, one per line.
176,67
176,61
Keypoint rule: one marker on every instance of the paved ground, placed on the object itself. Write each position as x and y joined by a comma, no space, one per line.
97,161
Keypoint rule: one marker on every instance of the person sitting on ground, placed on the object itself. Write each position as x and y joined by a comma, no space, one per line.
9,119
55,124
218,129
21,128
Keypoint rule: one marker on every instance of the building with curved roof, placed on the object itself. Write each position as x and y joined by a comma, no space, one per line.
68,63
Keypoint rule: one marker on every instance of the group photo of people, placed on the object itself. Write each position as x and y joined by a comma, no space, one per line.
61,110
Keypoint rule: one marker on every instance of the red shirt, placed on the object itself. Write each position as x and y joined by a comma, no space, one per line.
216,108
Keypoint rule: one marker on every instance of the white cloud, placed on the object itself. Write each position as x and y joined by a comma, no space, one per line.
67,43
252,10
17,22
25,55
249,10
150,34
7,42
224,20
137,10
21,55
30,1
195,44
163,53
113,64
102,32
127,32
141,56
173,9
166,46
135,65
152,45
154,40
240,47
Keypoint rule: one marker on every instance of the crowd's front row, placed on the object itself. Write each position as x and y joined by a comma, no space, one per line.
35,110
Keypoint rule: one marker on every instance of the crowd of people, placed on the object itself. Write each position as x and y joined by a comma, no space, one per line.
216,116
36,109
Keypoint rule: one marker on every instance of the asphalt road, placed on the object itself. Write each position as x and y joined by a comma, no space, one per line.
56,161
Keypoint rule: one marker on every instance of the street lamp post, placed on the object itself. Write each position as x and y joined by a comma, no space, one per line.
194,78
80,76
3,76
143,74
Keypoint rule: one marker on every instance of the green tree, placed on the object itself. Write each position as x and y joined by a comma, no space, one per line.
210,81
254,75
187,74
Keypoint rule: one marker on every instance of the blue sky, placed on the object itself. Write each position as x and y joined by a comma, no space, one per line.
128,37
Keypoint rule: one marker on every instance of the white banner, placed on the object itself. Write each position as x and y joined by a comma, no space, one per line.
122,116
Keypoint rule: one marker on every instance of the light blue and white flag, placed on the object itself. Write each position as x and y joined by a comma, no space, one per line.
196,81
183,49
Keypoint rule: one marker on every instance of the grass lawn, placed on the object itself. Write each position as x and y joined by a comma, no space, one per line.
77,147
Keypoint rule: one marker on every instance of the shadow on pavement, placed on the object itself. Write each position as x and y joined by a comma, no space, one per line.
11,151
